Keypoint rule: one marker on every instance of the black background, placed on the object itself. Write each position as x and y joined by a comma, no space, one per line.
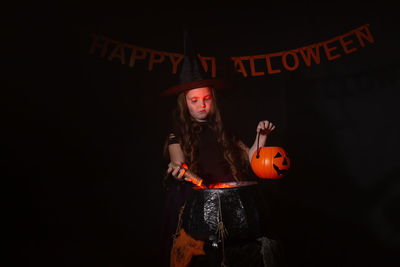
84,135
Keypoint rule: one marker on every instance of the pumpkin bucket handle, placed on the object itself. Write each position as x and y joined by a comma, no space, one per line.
258,141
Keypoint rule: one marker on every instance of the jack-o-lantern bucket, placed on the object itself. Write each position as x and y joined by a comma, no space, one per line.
270,162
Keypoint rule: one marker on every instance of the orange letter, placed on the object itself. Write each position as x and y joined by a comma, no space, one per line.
213,67
96,44
239,63
344,44
135,55
119,47
153,59
328,50
174,62
203,61
268,59
295,58
310,53
367,35
253,68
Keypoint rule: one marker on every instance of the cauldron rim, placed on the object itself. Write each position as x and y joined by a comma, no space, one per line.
239,185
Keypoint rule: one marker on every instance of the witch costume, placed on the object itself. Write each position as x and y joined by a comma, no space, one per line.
213,227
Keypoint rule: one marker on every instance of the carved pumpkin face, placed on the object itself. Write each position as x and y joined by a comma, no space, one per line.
272,162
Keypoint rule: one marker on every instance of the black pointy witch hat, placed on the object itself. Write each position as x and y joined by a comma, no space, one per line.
192,73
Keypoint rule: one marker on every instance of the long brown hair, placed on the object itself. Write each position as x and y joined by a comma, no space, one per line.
234,151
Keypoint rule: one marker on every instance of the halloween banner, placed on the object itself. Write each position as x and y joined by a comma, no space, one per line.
252,65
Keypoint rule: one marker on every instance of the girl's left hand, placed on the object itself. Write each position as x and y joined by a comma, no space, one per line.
265,127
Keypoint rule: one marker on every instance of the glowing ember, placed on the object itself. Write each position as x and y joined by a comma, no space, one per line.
221,185
216,186
195,181
225,185
200,187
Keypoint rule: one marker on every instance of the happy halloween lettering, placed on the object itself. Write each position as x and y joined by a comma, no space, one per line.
254,65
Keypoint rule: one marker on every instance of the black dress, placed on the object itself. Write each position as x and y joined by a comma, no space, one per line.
213,168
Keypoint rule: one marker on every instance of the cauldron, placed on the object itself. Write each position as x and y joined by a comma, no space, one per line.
239,204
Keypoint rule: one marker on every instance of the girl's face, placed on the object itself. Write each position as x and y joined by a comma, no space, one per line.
199,102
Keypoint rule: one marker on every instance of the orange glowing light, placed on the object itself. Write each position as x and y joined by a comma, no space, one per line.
200,187
194,181
215,186
189,176
221,185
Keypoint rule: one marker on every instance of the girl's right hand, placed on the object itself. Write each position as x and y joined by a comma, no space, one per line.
176,171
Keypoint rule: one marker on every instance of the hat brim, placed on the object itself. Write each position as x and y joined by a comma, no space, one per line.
213,83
